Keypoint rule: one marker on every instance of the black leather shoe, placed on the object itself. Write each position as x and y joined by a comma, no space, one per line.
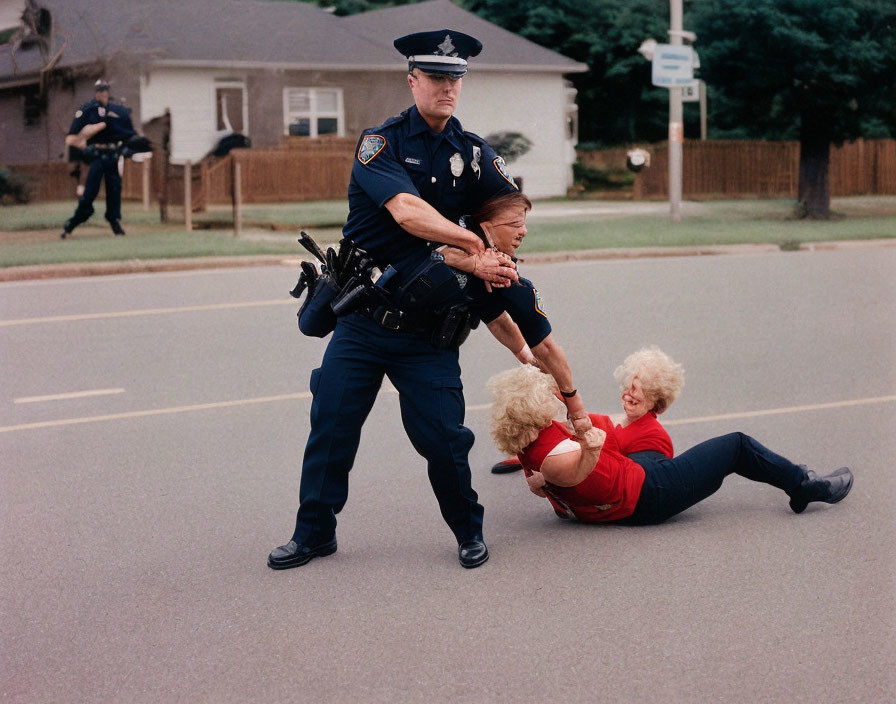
511,464
116,227
472,553
66,229
831,488
294,555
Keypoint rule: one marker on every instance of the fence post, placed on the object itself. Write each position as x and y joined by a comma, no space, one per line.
146,176
237,198
206,188
188,193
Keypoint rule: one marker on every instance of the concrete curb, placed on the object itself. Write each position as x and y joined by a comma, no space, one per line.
135,266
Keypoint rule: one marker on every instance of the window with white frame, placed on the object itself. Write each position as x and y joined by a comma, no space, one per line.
313,112
230,106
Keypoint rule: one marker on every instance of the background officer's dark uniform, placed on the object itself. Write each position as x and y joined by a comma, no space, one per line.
455,172
106,149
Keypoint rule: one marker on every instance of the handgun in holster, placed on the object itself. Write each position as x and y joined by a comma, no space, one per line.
358,276
454,327
315,316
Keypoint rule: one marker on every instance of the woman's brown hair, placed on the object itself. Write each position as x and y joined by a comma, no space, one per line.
489,209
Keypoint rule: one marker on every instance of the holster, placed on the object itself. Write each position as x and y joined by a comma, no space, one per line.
316,316
350,297
431,286
453,328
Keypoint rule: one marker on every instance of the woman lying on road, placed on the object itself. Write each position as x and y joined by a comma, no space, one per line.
649,381
586,476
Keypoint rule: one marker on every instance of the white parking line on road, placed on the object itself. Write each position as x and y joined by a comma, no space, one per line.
153,412
145,311
755,414
387,390
70,394
780,411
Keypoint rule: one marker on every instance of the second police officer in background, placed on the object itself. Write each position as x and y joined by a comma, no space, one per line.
413,178
100,129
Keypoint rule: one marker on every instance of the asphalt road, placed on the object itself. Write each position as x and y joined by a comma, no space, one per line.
151,429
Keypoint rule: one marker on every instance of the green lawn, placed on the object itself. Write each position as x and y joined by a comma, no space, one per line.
29,234
647,231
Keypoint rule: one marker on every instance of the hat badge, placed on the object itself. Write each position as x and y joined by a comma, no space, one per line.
447,47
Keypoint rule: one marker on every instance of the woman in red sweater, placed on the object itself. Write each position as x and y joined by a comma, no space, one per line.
649,381
588,477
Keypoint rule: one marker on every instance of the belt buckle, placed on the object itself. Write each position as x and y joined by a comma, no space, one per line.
389,319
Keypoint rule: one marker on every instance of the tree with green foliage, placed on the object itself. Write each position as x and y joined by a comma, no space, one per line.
821,71
617,103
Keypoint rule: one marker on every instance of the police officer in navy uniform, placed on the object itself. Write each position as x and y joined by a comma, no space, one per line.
413,177
100,128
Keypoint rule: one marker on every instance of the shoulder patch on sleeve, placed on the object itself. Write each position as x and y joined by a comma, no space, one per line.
536,297
538,305
371,145
502,169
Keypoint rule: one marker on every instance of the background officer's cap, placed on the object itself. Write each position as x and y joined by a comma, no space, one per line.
443,51
101,84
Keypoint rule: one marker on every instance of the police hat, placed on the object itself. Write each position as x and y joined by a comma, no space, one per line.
101,84
442,51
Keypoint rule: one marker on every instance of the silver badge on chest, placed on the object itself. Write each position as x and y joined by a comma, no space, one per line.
457,164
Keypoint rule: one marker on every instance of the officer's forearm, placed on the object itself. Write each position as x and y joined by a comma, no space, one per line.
552,359
508,334
418,217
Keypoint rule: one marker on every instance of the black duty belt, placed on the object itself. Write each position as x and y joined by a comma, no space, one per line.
393,319
104,147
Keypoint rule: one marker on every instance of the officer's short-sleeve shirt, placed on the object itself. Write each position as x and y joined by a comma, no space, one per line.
117,118
454,171
520,300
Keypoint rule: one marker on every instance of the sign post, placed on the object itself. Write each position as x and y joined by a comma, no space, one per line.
673,67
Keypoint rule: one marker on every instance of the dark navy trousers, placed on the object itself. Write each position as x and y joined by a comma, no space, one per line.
344,389
104,166
674,485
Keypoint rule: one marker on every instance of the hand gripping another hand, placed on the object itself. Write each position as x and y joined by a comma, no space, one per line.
496,268
592,439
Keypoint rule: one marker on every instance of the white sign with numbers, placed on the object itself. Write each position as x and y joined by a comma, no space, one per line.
673,65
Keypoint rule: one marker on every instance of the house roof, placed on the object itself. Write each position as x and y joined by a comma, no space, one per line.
501,49
257,33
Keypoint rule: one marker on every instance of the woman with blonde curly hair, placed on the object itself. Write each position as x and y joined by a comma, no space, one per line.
588,477
649,381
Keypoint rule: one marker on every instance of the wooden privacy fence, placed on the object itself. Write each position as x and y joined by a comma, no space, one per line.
49,180
304,170
308,170
756,168
299,171
312,171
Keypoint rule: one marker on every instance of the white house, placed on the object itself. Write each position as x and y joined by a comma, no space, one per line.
271,69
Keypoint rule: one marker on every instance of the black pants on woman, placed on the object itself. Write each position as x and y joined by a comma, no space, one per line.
673,485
